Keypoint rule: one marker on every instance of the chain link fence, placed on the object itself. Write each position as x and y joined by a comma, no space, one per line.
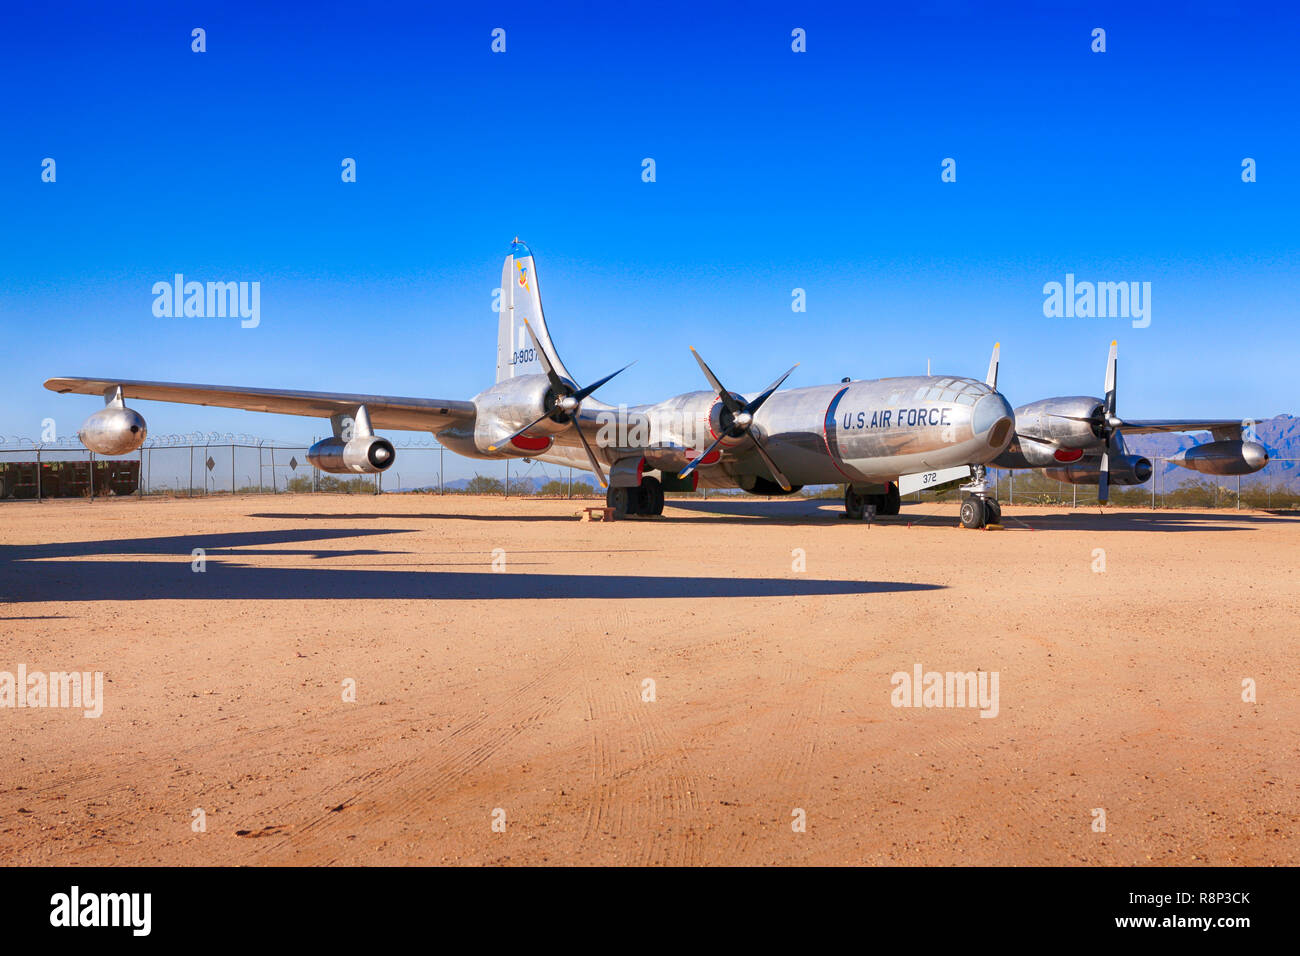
198,465
221,464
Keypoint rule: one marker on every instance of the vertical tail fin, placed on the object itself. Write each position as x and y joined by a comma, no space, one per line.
520,300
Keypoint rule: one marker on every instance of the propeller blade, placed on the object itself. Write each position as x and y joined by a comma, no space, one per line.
728,400
531,424
1103,478
582,393
557,383
991,380
591,457
1112,368
685,472
767,392
771,465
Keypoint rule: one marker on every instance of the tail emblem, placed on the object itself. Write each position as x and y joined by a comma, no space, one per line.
523,275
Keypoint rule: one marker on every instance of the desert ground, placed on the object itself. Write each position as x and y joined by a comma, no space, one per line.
501,651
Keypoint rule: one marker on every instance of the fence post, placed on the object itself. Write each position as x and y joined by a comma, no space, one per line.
38,474
191,478
272,469
139,476
232,469
440,471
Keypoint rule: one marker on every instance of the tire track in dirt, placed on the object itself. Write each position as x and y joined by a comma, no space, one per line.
416,782
799,730
672,788
601,801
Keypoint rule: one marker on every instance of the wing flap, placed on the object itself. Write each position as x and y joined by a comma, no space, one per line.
386,411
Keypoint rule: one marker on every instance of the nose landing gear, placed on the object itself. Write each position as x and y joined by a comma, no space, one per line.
979,508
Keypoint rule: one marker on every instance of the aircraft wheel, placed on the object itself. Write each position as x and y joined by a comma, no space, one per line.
855,505
652,497
972,513
992,512
621,500
891,501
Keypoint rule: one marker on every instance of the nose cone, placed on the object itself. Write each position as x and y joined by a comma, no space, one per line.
993,420
1254,454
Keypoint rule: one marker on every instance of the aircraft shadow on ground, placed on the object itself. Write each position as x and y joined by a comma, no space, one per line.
800,510
150,580
426,516
25,577
1162,521
1073,519
219,543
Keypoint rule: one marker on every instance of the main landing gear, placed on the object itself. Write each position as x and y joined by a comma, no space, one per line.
647,499
855,503
979,508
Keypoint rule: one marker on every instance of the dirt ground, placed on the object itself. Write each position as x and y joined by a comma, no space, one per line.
517,695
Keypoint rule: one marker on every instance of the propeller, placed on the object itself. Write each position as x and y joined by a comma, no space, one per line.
568,399
738,420
1106,424
1111,423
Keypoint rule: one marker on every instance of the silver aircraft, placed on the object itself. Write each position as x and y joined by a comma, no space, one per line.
872,436
1079,440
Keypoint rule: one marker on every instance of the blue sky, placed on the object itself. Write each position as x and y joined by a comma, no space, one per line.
775,170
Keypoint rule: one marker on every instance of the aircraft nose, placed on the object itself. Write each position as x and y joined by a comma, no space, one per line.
993,420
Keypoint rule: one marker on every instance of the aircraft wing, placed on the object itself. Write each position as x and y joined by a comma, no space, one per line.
386,411
1147,426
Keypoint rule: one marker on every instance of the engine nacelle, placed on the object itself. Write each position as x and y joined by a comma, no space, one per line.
1224,458
363,455
1061,422
1124,470
510,405
114,429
